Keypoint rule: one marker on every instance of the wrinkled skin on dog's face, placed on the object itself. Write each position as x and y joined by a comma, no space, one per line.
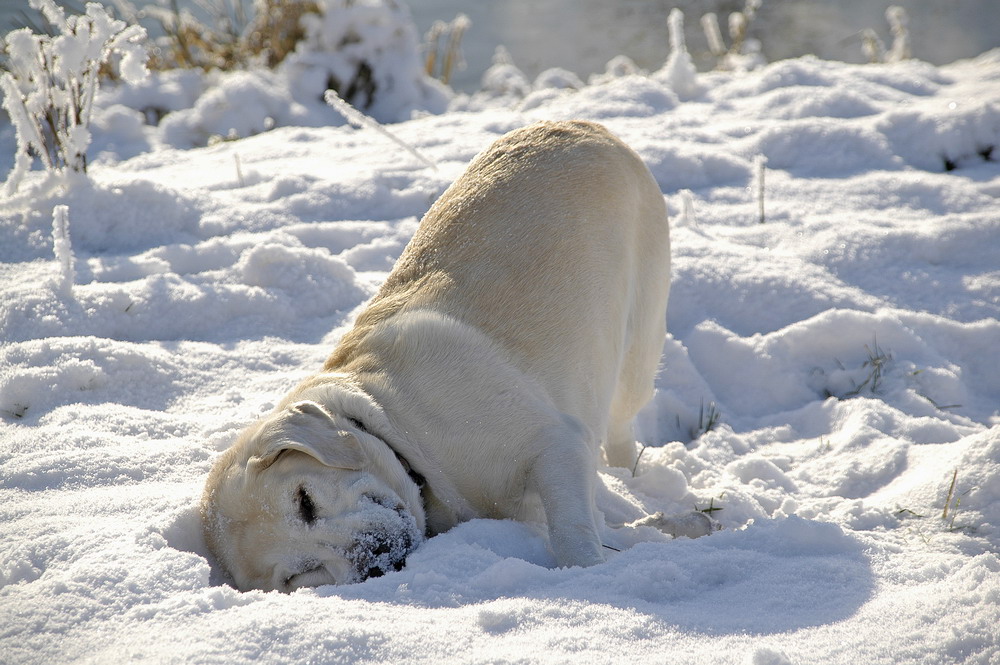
307,509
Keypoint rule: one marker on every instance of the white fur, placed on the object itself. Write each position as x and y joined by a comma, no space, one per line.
518,333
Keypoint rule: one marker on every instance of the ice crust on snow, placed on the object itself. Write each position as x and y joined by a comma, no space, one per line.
209,281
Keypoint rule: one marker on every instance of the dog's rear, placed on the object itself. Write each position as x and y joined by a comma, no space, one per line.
555,244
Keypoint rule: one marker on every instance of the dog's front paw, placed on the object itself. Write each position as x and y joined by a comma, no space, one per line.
689,525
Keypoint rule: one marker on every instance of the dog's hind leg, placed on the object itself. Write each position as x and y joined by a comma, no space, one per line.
633,390
619,449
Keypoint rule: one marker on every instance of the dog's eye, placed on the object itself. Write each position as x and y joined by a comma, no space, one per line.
307,509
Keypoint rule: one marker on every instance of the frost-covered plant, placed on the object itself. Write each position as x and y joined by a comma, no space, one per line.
873,47
844,384
49,88
743,53
875,365
679,71
63,250
759,169
739,24
708,419
687,215
898,21
713,34
446,37
230,39
360,120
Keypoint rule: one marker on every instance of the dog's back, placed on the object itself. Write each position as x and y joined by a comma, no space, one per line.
555,244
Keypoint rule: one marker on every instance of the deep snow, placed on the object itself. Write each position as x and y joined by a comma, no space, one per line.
850,344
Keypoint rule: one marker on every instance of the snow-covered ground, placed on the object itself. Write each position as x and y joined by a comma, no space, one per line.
850,345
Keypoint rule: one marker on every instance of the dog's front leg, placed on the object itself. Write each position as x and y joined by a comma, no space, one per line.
564,474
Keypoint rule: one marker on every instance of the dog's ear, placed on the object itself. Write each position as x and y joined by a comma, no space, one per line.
308,428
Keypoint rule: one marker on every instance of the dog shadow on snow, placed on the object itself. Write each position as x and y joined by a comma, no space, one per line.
769,576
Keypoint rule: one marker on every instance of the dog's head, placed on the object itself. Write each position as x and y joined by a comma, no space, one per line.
306,497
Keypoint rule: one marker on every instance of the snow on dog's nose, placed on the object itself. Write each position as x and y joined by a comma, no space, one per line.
378,552
383,547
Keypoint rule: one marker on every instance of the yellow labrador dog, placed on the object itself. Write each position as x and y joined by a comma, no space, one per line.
518,333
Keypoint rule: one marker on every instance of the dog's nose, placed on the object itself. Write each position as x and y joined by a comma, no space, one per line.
379,552
384,554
